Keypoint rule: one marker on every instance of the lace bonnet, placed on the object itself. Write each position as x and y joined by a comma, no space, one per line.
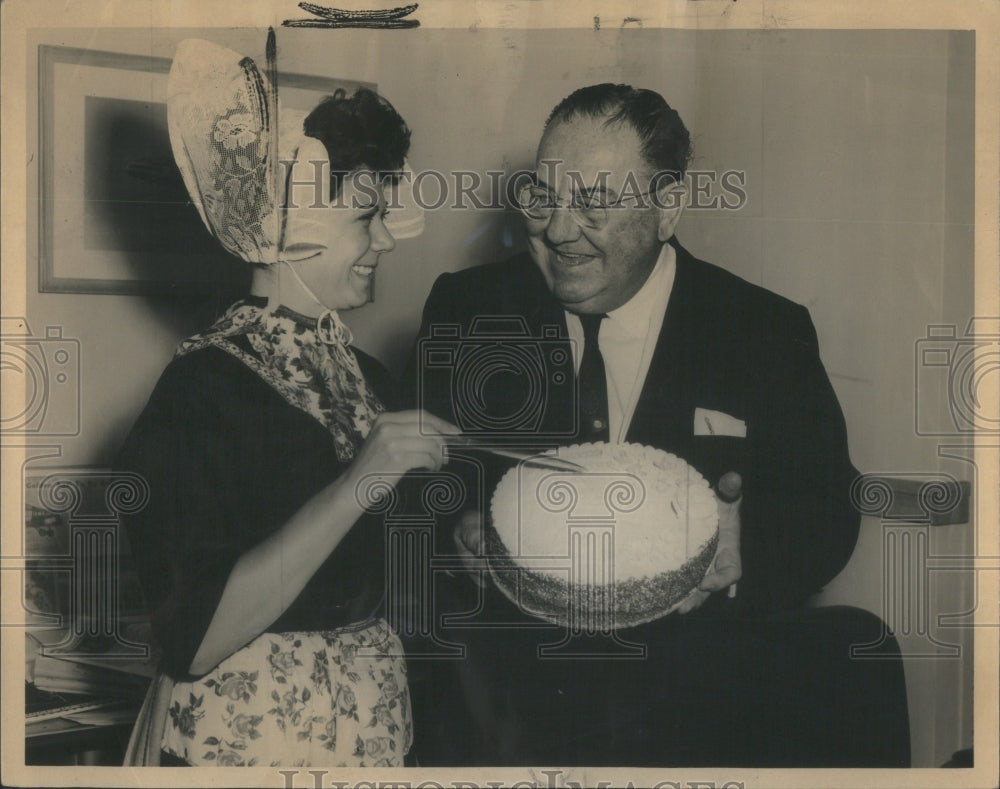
230,136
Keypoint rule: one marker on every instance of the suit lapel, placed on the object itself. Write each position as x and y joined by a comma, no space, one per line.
663,416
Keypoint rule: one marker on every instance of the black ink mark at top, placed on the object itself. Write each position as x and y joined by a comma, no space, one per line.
597,23
631,20
385,19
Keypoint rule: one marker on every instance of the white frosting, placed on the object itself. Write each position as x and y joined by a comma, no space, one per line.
652,508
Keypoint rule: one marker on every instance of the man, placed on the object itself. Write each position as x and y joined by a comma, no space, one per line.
672,352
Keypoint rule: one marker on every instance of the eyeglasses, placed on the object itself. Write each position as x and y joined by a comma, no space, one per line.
589,211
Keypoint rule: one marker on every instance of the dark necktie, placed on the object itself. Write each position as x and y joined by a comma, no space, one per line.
593,384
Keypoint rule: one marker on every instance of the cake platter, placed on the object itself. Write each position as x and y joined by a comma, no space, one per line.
615,546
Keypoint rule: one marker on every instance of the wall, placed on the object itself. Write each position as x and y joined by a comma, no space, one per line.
858,153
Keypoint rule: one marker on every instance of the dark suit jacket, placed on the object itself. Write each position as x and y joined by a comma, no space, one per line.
784,678
726,345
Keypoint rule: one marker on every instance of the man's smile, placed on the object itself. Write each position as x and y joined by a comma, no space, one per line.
571,259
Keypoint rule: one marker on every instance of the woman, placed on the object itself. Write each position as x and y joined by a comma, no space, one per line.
263,574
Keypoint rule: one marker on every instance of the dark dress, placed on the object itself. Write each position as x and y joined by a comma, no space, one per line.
228,460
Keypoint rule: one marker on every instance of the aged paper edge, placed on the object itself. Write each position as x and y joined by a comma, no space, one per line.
980,15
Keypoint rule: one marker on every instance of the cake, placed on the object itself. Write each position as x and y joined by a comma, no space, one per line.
613,546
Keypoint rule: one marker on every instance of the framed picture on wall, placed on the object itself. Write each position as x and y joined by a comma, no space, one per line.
114,215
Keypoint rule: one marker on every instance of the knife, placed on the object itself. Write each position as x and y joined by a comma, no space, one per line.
523,456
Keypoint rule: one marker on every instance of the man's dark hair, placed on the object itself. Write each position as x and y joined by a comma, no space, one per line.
666,144
360,132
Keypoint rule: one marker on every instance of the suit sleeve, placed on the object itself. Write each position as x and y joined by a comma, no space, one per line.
799,524
422,387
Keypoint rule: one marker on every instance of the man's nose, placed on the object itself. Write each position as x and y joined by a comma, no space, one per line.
562,226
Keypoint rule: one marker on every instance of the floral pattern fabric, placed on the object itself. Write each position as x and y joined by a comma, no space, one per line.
320,699
310,365
221,116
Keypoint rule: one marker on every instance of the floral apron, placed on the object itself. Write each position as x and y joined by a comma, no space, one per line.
318,699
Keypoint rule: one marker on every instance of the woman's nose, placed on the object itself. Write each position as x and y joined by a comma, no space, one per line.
382,239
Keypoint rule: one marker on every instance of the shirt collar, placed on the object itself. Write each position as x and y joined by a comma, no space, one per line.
633,317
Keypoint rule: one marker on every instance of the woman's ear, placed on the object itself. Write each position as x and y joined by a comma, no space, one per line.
670,201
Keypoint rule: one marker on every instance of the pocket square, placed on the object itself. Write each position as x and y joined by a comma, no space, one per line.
716,423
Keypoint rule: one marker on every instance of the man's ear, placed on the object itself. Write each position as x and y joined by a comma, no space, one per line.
670,201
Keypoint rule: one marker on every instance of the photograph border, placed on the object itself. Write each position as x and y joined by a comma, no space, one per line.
982,16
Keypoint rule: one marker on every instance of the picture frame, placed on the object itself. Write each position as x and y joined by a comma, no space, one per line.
114,216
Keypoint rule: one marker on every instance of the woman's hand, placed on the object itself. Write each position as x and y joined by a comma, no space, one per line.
403,441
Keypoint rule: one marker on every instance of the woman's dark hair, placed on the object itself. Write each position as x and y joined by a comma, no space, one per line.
666,144
360,132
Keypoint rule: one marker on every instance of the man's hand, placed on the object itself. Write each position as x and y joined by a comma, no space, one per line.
468,537
726,566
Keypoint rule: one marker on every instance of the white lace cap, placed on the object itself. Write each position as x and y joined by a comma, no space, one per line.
221,115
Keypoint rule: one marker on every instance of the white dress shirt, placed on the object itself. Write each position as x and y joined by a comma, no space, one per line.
627,339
